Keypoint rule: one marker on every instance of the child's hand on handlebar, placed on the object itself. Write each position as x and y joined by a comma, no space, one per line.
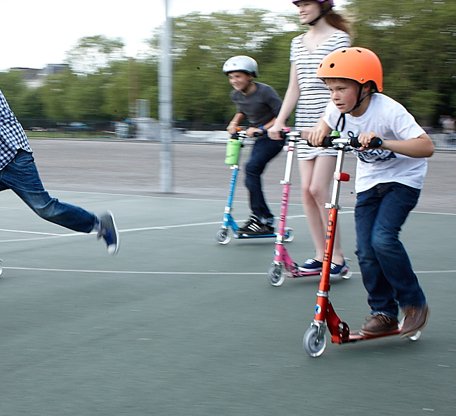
275,131
365,139
254,131
314,137
232,128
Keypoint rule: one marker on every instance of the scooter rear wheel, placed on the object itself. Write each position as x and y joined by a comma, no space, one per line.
289,235
415,337
223,236
314,341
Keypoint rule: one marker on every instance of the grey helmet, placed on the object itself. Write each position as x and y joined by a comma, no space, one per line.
241,63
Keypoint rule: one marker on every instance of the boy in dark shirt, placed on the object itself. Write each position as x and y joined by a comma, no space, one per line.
259,104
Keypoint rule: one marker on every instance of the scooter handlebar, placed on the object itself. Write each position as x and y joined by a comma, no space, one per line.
348,141
242,134
331,141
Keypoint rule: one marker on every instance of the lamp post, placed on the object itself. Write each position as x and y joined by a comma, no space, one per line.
165,109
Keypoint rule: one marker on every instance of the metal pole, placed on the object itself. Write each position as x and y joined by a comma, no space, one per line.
165,108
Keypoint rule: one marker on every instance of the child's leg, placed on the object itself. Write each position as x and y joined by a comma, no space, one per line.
380,293
22,177
316,178
395,207
263,151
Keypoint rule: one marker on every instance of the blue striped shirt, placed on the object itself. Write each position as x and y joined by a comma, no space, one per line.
12,135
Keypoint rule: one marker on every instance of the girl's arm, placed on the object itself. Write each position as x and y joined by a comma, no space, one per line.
288,105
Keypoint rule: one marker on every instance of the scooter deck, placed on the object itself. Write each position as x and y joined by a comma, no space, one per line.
247,236
296,274
358,336
241,236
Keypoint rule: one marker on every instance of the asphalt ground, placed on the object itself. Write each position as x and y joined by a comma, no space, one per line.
177,324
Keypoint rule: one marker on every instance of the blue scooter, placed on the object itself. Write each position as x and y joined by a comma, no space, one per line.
233,153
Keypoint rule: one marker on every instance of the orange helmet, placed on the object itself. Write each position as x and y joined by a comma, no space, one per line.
358,64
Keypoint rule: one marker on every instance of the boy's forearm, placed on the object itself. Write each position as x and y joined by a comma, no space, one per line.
421,146
237,119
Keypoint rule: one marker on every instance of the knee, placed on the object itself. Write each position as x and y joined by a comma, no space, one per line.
305,192
314,193
45,209
382,241
253,169
251,181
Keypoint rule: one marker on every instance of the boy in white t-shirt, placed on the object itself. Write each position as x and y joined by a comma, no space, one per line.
388,183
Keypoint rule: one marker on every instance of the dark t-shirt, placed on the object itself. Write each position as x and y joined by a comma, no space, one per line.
260,106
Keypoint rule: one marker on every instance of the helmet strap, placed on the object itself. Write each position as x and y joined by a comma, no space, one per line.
341,119
359,100
322,14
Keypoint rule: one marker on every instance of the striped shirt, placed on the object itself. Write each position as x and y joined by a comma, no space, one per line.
12,135
314,95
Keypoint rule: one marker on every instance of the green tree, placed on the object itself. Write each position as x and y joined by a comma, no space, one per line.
94,52
54,93
201,44
14,89
415,40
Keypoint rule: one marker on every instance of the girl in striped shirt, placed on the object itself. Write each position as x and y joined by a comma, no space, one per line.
309,96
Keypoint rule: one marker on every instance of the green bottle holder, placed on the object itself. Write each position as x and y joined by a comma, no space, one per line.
233,150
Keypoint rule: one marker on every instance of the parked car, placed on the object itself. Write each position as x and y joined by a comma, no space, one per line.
78,126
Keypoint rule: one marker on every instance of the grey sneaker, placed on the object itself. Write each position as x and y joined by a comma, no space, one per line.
108,232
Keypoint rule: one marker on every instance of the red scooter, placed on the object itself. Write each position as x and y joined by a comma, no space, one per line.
314,340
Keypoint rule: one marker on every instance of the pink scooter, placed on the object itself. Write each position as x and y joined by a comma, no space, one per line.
283,266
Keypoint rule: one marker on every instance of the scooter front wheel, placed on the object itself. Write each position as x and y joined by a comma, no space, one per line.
314,341
223,236
276,274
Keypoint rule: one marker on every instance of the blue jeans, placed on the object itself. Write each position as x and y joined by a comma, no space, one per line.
21,176
385,266
263,151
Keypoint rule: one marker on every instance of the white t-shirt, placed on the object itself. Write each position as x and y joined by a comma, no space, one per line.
391,121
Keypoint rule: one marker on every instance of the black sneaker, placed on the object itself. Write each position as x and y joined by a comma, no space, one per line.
254,226
108,232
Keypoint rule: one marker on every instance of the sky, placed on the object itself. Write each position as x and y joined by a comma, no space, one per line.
35,33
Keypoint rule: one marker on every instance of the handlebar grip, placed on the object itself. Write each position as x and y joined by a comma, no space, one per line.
284,132
327,142
375,142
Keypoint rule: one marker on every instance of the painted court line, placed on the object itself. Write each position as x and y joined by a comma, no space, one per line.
126,230
45,235
176,273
